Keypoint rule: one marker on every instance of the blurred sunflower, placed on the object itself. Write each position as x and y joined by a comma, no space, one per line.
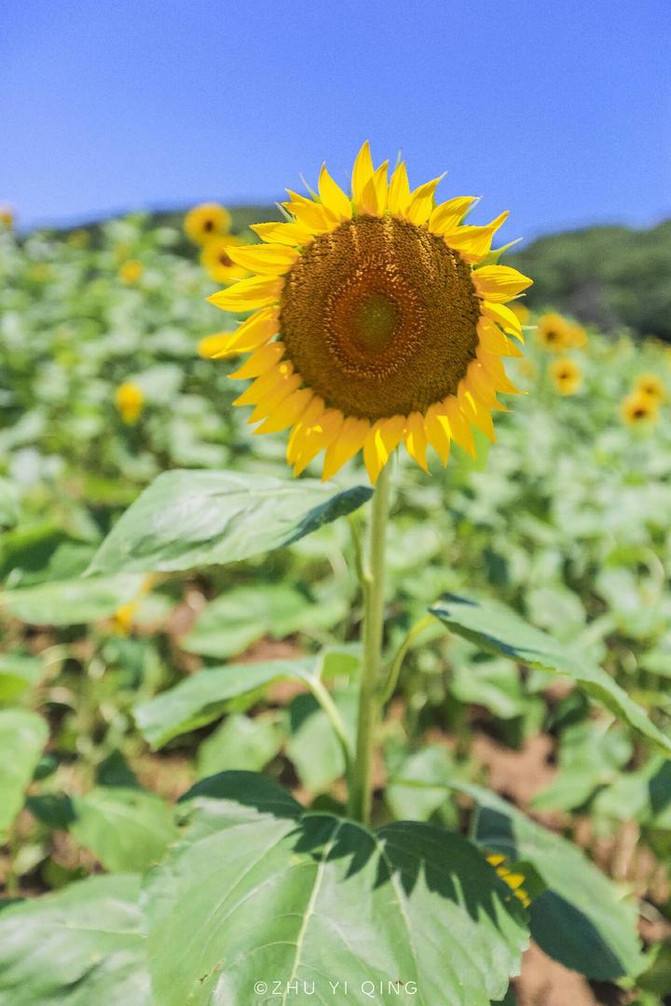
566,375
576,336
6,217
216,260
650,386
378,319
553,332
206,221
637,409
129,400
131,271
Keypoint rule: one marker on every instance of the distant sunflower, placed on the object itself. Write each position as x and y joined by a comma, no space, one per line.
566,375
131,271
576,336
651,386
638,409
206,221
377,319
6,217
216,259
553,332
129,400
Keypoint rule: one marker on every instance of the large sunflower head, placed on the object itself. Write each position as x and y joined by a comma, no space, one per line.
378,318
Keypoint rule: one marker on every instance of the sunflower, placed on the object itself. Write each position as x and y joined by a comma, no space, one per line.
576,336
131,271
129,400
206,221
637,409
6,217
216,260
650,386
553,332
566,375
378,319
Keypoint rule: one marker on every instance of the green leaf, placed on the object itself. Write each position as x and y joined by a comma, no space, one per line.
22,736
581,919
495,628
590,756
17,674
205,697
261,893
196,518
232,622
409,793
71,602
80,946
313,746
126,829
240,743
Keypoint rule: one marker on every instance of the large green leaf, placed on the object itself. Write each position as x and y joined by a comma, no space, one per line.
22,736
195,518
495,628
126,828
80,946
580,919
71,602
17,673
205,696
260,895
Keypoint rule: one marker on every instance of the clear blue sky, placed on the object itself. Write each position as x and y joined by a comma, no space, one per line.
557,110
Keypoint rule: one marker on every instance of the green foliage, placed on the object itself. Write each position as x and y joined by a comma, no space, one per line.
609,276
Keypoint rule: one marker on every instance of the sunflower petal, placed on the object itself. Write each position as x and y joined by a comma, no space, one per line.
265,384
448,215
261,360
272,399
291,233
399,190
314,217
349,441
420,204
438,431
362,172
499,283
415,439
252,333
478,414
333,197
504,317
287,412
459,428
315,409
382,439
493,340
316,438
374,196
474,243
248,294
269,259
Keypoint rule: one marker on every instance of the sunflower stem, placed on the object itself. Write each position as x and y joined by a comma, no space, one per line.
360,799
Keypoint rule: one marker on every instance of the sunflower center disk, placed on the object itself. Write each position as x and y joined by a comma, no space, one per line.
380,318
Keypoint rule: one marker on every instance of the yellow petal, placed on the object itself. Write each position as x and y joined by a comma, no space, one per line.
492,339
279,392
362,172
315,409
313,439
287,412
314,217
248,294
438,431
499,283
481,383
270,259
382,439
255,331
504,317
448,215
420,204
349,441
264,385
259,362
216,345
478,414
333,196
415,439
283,234
399,190
374,197
474,243
459,428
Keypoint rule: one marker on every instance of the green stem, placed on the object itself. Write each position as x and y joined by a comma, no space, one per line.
373,625
323,697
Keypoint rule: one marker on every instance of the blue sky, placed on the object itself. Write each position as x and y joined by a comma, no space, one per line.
558,111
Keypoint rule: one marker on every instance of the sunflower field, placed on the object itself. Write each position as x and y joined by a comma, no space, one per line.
397,734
